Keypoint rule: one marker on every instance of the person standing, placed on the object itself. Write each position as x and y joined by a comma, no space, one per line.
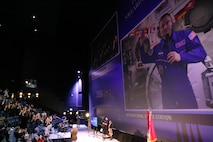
73,133
89,127
171,56
110,131
105,124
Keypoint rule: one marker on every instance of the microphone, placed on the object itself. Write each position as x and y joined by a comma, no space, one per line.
167,42
167,38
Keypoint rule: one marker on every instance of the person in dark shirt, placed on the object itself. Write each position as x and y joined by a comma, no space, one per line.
105,124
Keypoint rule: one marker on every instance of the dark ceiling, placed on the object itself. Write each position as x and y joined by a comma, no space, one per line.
60,46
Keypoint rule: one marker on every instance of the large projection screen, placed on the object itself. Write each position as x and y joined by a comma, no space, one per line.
122,87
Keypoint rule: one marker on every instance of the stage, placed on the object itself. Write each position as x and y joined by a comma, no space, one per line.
83,136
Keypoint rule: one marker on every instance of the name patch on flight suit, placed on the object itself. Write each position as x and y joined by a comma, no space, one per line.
192,35
160,69
160,53
180,43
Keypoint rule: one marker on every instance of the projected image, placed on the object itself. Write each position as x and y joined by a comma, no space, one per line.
105,46
181,80
94,121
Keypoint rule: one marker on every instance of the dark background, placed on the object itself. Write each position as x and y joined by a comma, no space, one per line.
59,48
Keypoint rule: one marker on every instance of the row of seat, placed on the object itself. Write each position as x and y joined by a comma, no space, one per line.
13,121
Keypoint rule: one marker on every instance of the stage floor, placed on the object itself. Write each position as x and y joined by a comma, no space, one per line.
83,136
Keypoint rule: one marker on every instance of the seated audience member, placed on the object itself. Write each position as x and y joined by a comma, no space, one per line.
56,120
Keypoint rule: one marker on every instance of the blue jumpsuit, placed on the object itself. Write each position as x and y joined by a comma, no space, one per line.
177,92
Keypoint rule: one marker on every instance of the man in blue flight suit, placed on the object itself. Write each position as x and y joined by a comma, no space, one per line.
175,50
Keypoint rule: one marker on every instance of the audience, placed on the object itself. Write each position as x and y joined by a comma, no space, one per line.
22,122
